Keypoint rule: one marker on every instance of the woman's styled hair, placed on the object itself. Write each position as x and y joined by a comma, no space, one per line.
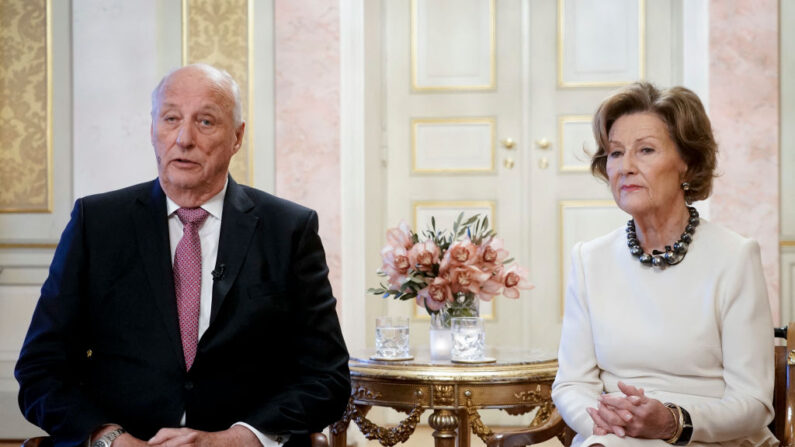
688,127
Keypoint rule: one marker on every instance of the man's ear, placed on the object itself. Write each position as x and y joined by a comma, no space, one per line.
239,132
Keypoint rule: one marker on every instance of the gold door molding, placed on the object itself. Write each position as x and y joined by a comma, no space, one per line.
219,32
25,106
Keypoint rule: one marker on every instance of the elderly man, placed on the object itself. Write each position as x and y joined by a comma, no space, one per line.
189,310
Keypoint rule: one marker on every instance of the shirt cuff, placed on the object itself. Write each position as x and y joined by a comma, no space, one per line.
265,440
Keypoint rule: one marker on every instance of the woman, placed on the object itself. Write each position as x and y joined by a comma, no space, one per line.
667,331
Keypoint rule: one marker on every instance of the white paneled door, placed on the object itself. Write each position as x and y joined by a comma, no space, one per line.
487,107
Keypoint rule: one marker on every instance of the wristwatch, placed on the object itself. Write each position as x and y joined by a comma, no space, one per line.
107,439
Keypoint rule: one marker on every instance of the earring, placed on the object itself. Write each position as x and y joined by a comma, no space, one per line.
685,186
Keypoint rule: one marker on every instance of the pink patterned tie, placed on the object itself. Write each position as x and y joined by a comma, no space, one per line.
188,279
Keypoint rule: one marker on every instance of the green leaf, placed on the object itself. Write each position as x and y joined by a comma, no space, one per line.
507,261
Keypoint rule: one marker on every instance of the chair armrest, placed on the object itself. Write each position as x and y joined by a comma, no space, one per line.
554,426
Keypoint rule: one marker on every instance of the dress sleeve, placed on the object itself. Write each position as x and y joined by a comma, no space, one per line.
577,385
747,344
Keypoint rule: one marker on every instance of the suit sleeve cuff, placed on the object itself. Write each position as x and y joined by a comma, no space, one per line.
265,440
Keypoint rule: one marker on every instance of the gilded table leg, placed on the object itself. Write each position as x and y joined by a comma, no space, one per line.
463,428
445,423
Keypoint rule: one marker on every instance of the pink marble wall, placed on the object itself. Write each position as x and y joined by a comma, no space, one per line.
744,97
307,97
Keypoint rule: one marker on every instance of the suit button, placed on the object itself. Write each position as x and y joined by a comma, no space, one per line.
189,385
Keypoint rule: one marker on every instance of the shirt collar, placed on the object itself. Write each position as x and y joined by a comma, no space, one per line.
214,206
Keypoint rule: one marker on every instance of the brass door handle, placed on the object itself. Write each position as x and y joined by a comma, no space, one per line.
508,162
508,143
543,143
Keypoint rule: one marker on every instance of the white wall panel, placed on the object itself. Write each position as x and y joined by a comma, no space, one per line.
600,42
120,51
453,44
576,142
453,145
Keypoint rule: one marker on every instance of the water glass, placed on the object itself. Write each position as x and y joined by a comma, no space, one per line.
392,337
469,339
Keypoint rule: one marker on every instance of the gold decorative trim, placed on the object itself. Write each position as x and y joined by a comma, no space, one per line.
562,205
532,397
386,436
490,121
44,205
225,51
416,313
787,243
14,245
641,50
448,88
443,394
562,121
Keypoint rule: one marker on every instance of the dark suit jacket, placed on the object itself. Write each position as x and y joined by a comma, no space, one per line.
104,343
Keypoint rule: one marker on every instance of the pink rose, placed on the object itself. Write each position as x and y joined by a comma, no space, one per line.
515,278
436,294
424,255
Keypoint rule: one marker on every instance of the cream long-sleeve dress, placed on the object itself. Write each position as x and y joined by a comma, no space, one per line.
698,334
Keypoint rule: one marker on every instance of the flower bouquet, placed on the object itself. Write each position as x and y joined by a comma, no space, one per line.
440,269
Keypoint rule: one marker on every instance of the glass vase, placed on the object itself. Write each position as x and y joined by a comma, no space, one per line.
464,304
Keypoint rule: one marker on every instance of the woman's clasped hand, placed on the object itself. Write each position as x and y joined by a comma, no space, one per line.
633,414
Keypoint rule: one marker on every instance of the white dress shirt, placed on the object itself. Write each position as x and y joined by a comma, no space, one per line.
209,234
698,334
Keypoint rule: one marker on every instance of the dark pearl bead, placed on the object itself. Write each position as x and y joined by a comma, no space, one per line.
670,257
635,250
657,261
690,229
645,258
631,242
632,235
694,221
687,238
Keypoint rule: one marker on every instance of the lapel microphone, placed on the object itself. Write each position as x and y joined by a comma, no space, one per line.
218,273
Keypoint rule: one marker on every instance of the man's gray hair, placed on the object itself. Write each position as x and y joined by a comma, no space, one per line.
223,80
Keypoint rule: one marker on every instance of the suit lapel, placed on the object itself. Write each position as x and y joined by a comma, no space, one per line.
237,229
151,229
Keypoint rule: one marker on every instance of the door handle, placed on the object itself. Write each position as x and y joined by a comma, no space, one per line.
508,143
543,143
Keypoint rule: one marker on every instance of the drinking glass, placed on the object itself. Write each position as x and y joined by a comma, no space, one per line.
392,337
469,339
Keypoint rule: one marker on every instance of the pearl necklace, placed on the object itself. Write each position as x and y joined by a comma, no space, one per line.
673,255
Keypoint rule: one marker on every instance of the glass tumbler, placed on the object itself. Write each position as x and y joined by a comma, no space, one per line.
392,337
469,339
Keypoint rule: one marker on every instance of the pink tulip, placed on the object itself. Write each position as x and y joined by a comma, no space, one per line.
424,255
